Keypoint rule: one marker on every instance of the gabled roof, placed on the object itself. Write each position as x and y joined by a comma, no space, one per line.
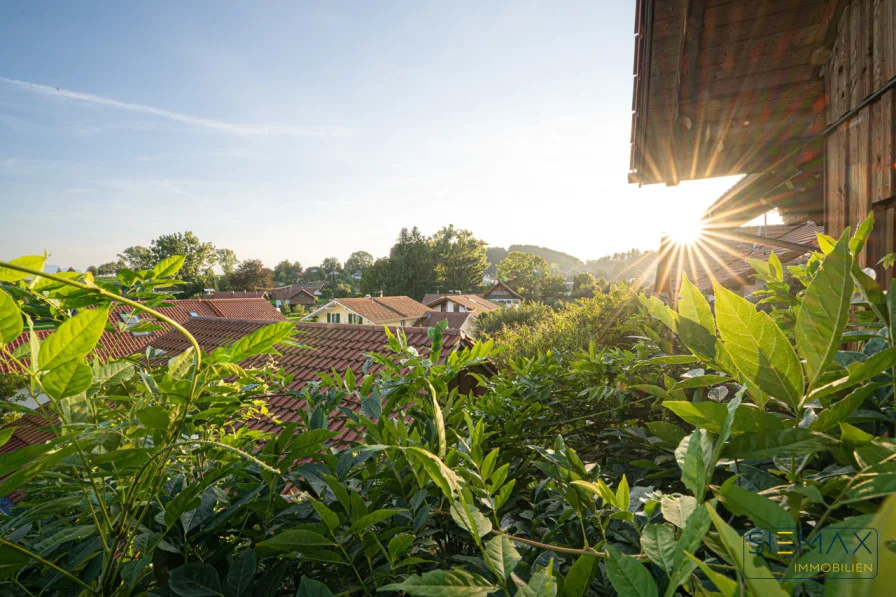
476,304
287,292
504,287
329,347
118,344
220,294
455,319
723,258
381,309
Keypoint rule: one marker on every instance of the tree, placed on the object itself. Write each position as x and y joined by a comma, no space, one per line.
330,266
495,255
137,257
461,259
375,278
412,265
287,272
93,270
584,286
251,275
552,288
523,272
199,259
227,260
108,269
71,269
358,261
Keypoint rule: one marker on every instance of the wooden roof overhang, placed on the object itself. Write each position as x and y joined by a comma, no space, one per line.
728,87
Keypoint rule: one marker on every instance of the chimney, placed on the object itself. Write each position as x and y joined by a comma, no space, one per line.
381,293
366,296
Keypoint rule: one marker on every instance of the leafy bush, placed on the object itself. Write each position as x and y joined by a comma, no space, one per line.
528,313
152,486
603,320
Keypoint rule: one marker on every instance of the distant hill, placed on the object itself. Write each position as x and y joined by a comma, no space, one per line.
564,261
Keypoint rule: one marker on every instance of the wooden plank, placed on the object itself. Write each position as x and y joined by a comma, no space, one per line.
752,62
838,80
835,169
859,52
690,44
859,171
761,73
882,151
733,133
761,45
717,16
882,41
775,23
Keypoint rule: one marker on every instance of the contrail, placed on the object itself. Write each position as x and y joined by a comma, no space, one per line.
260,130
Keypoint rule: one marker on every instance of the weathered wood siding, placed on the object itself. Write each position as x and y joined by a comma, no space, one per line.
860,156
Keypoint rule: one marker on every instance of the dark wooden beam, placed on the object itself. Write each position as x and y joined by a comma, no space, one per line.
826,34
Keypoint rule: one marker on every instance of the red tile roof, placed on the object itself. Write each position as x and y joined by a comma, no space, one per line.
505,288
475,304
287,292
455,319
119,344
384,309
221,294
338,347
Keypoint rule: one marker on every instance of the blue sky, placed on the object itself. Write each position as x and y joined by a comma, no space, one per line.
303,130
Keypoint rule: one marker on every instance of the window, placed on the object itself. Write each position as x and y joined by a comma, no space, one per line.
332,317
133,321
193,314
352,318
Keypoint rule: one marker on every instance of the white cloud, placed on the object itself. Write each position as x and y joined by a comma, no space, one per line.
261,130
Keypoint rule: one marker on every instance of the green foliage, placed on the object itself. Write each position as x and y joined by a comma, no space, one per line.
604,320
199,258
529,313
524,272
576,471
251,275
358,261
228,261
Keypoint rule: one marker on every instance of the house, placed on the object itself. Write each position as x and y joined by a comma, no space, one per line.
458,303
798,96
503,295
383,310
725,257
356,276
315,288
294,294
232,294
325,348
457,320
126,338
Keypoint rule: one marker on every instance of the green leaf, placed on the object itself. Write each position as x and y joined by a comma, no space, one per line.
725,431
580,576
503,555
444,583
155,417
168,267
863,231
67,379
29,469
725,585
260,341
764,513
35,262
628,576
328,517
840,411
786,442
194,580
399,544
599,489
308,587
5,434
700,381
710,415
659,544
469,518
891,309
678,509
73,339
693,455
623,494
752,567
859,372
871,293
371,519
825,311
241,574
669,433
294,540
883,559
696,326
11,323
758,348
541,584
692,534
661,311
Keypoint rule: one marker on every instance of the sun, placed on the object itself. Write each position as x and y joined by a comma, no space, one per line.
686,231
